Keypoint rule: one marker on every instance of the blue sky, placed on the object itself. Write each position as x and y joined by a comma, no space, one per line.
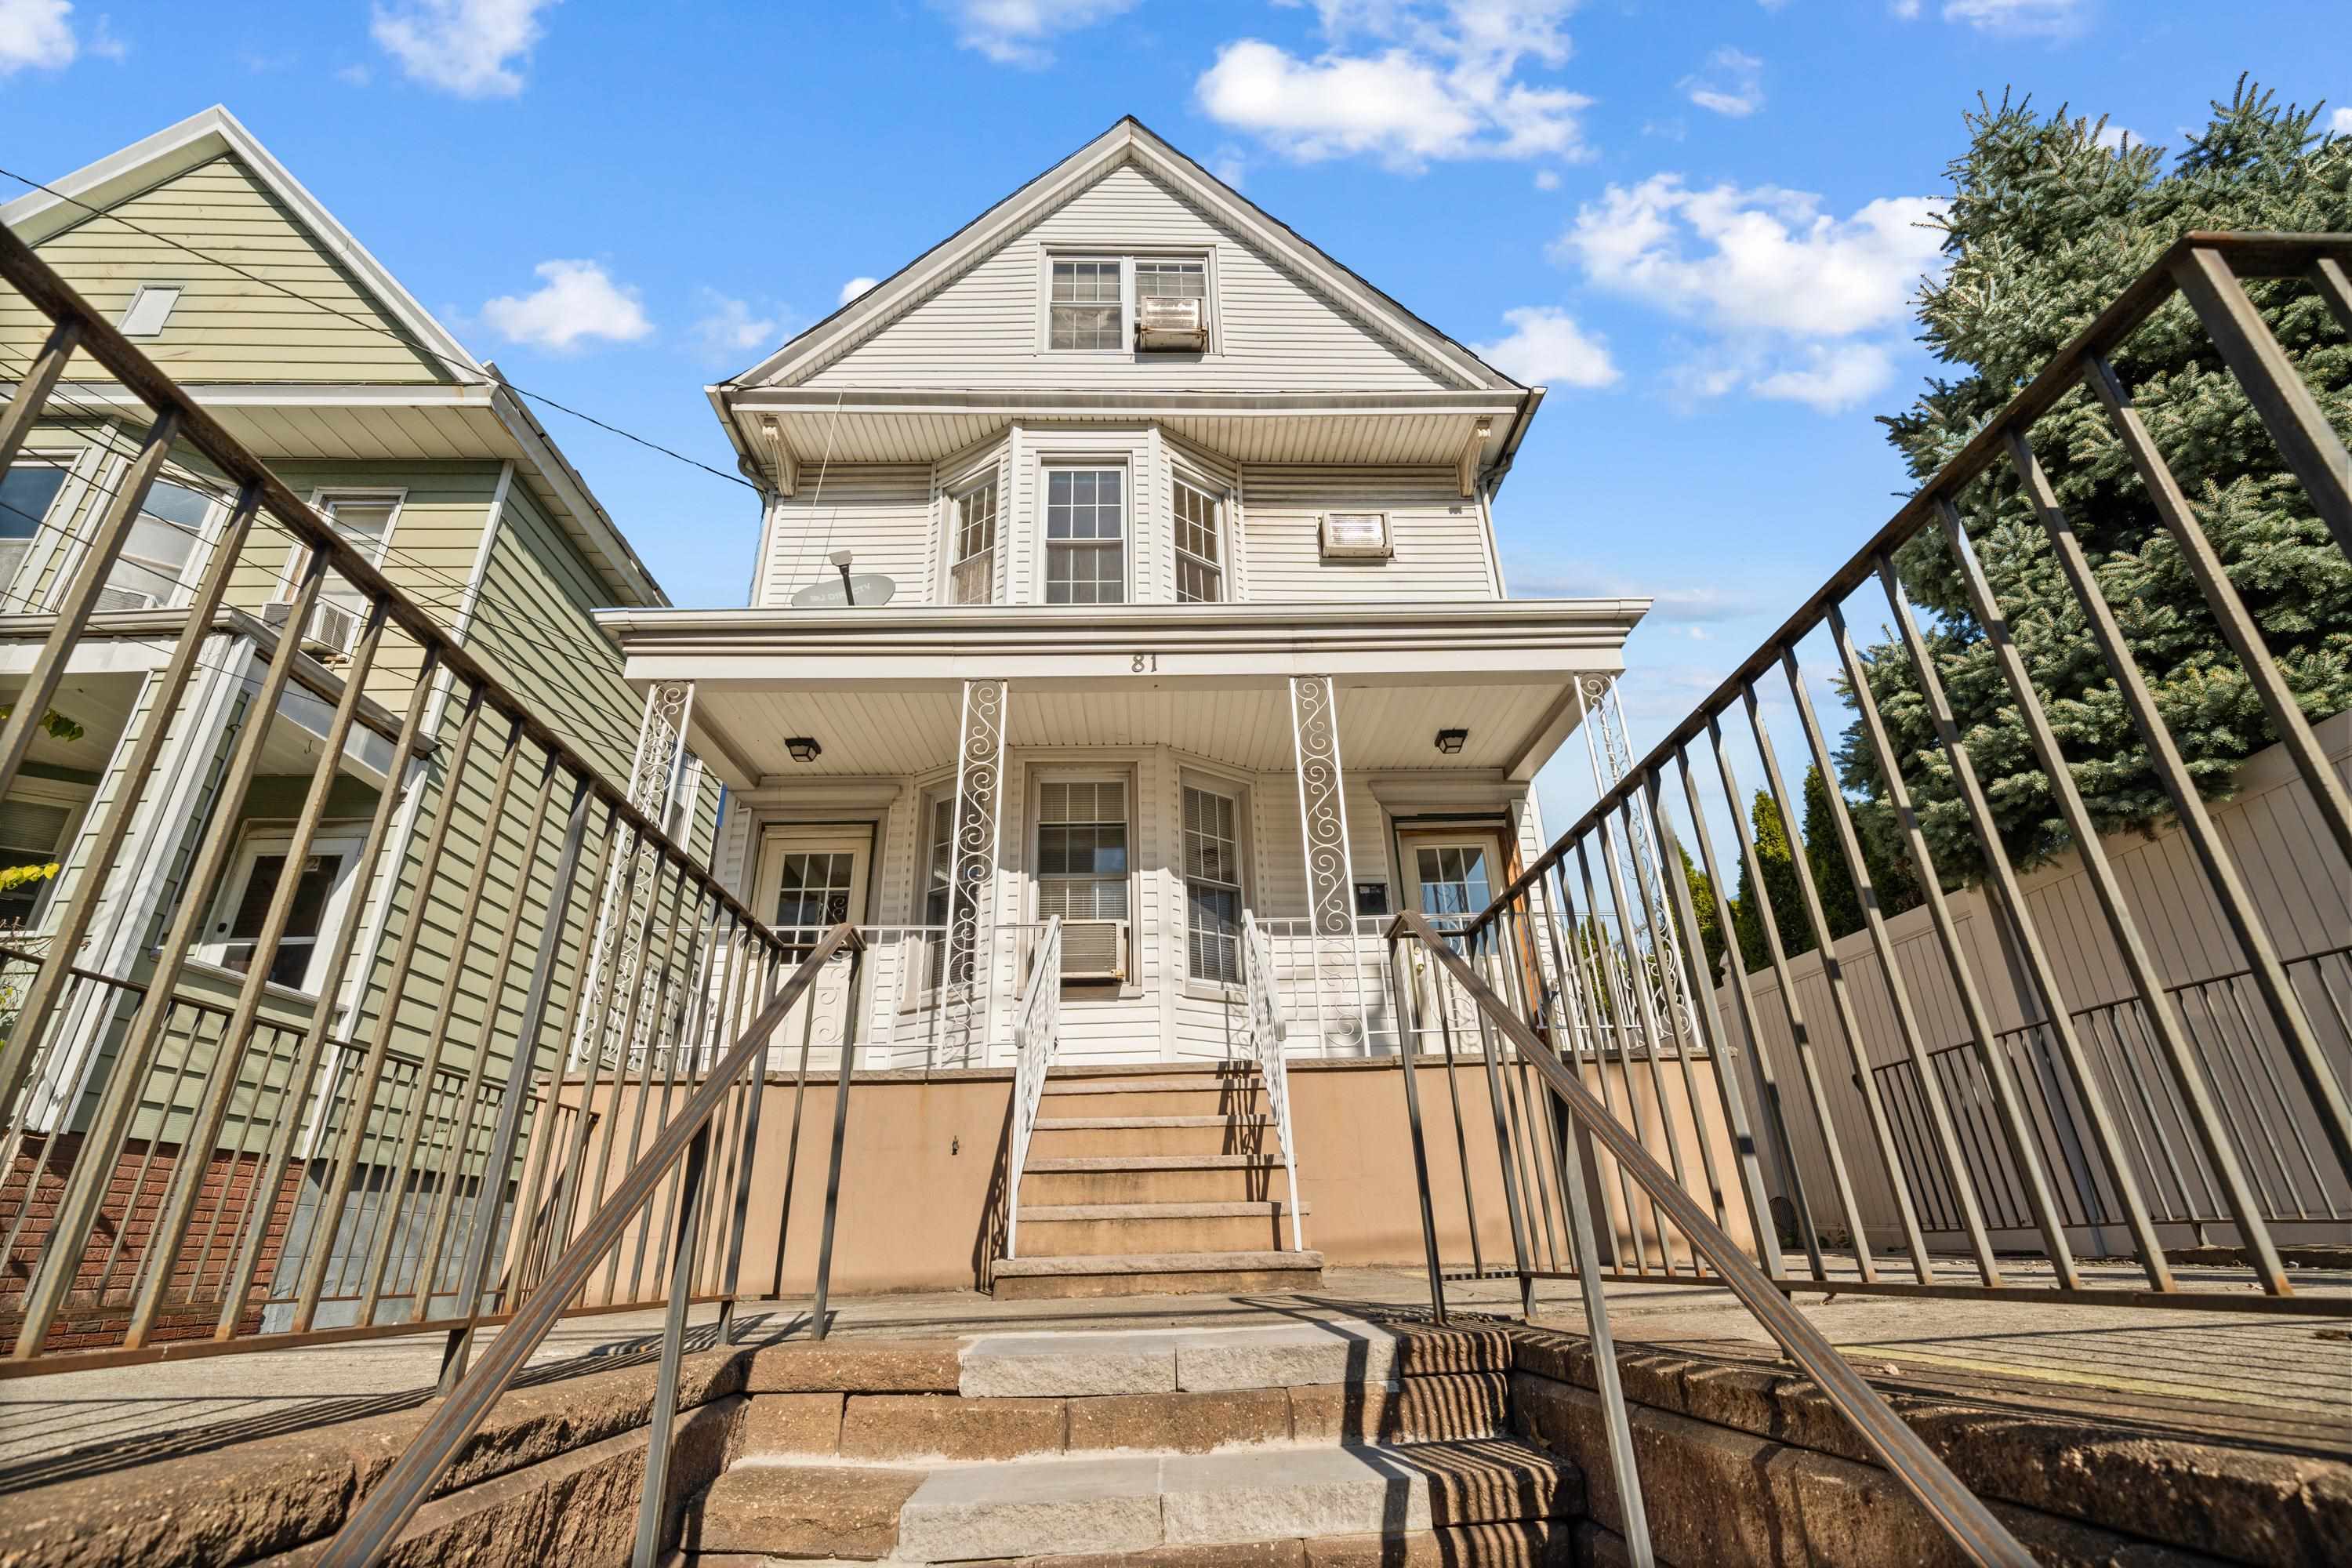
1695,222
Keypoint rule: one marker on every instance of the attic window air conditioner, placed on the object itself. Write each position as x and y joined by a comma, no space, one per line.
1171,321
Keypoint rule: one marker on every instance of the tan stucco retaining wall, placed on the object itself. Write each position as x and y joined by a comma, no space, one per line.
923,1160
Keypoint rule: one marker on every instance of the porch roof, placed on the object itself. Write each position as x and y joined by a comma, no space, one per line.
878,688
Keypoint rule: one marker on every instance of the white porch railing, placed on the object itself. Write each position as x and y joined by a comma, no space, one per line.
1037,1029
1261,1037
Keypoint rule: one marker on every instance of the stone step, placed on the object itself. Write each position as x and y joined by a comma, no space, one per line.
1154,1274
939,1428
1066,1137
1059,1230
1132,1178
1135,1504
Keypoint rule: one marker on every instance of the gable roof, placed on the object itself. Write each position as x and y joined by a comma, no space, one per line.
155,161
1129,141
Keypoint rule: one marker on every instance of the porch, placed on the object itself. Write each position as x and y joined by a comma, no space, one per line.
1162,781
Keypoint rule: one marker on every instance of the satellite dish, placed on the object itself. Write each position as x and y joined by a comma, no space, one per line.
866,591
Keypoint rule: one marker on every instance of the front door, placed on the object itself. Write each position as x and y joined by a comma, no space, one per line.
814,879
1450,877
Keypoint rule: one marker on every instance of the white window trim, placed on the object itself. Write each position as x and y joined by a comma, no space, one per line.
1127,257
1120,458
1033,903
1237,789
192,571
76,799
262,838
321,497
951,495
40,543
1221,500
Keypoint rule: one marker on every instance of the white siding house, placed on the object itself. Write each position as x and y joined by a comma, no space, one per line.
1193,620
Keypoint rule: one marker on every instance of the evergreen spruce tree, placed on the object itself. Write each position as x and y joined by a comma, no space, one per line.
1710,921
1825,858
1780,896
2044,226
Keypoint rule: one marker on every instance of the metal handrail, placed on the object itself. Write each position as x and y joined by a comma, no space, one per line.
1262,1032
1036,1034
1964,1518
373,1527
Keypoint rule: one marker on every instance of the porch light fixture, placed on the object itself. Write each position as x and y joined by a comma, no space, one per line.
1356,536
804,748
1451,740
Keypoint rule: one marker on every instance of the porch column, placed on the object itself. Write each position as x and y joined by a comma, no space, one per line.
979,819
658,776
1340,996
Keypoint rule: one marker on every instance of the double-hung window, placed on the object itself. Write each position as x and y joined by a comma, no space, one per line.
939,906
365,522
1086,536
1200,569
27,490
155,557
972,579
322,887
1213,886
1171,279
1085,309
1082,849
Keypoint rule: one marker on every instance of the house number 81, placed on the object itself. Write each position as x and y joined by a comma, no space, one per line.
1143,662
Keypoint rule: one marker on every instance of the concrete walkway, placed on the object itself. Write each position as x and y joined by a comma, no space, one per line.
2233,1377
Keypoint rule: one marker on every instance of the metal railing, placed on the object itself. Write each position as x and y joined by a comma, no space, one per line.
1036,1031
1262,1039
1617,1087
217,1142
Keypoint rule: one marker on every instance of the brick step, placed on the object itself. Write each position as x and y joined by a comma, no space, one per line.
1158,1508
1154,1274
1067,1136
1059,1230
1132,1178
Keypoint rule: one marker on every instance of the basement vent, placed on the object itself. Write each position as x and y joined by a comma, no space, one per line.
1093,949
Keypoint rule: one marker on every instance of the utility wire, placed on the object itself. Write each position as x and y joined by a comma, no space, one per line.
379,327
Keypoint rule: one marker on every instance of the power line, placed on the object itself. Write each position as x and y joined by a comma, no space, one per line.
369,324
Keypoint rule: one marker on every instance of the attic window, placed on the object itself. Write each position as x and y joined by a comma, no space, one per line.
149,308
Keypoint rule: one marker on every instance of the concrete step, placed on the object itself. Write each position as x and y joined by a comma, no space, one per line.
1129,1178
1065,1137
1155,1274
1035,1508
1060,1230
1192,1095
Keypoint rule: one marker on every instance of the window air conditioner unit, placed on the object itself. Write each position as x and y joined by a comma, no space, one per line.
1171,321
331,631
1093,949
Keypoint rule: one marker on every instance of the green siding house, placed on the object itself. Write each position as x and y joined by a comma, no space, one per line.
208,253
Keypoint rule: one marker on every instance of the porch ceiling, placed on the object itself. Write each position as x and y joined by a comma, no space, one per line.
922,426
905,732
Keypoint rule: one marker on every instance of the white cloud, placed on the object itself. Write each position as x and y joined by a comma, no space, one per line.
1765,258
1546,347
1430,79
576,301
729,328
2112,137
1833,376
470,47
1015,32
1798,304
854,288
2341,123
355,75
2019,18
1904,10
35,33
1547,179
1732,84
1229,165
